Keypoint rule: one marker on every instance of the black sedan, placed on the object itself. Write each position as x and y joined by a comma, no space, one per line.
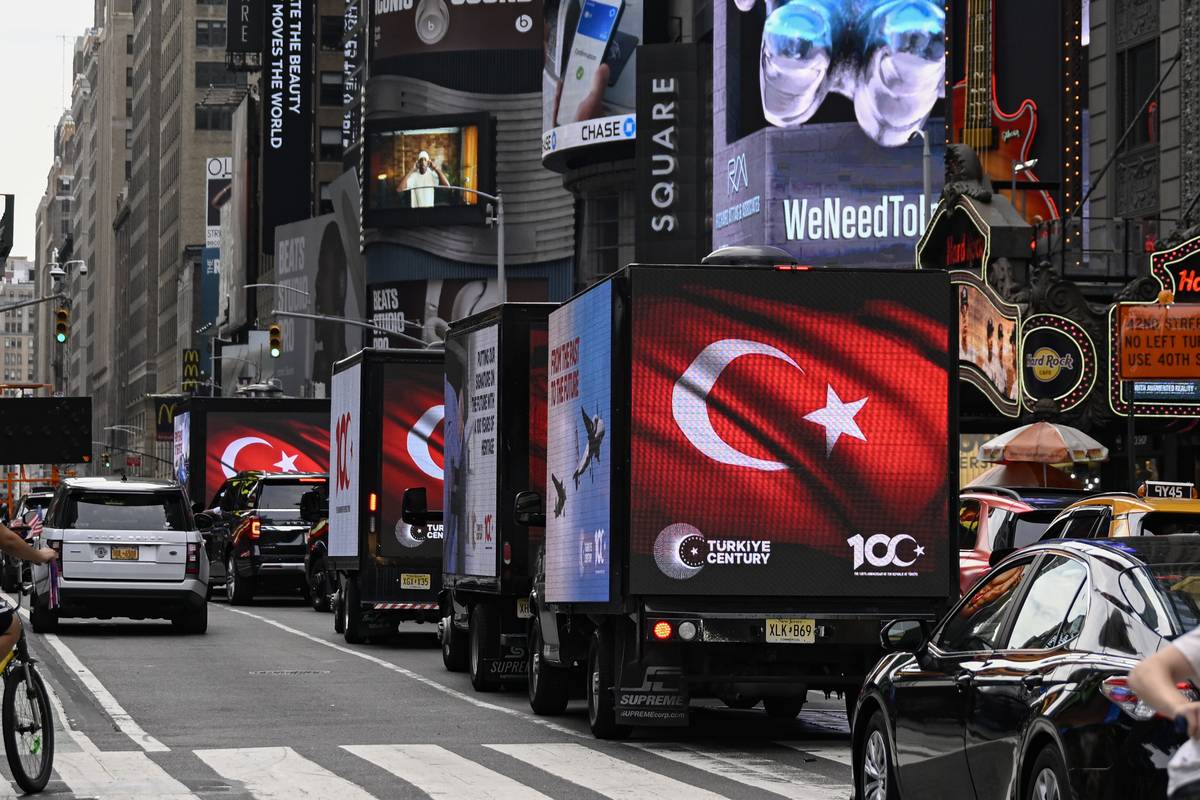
1020,691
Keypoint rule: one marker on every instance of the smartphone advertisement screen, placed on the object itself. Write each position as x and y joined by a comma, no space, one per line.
589,91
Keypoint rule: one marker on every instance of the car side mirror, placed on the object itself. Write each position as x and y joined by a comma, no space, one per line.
204,522
528,511
414,508
999,555
904,635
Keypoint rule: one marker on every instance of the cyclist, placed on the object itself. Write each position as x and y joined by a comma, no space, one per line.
1156,680
17,547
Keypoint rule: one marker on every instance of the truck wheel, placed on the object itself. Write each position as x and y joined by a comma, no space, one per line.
454,646
601,705
484,636
549,686
239,590
339,619
318,587
783,707
352,622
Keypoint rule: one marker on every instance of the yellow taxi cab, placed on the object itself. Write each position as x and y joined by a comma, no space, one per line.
1158,508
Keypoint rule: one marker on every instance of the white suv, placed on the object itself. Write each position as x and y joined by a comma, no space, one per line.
125,549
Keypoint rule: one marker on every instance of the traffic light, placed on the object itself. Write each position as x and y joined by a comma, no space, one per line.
107,461
62,324
275,334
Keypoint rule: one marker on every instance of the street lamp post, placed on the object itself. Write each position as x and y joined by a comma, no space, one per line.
277,312
926,174
498,199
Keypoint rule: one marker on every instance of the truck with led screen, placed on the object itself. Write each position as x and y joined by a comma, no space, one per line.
749,469
385,438
495,449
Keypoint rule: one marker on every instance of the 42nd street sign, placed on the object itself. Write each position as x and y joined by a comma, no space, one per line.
1159,340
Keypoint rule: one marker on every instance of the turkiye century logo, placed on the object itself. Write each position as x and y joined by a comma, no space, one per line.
681,551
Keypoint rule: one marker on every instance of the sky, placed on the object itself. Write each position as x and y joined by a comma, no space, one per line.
32,70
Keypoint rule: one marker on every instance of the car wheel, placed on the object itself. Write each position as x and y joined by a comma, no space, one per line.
318,587
783,708
601,705
352,622
454,646
239,590
483,636
874,777
1048,778
41,618
192,620
549,686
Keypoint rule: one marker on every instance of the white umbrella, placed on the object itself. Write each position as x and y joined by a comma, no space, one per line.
1043,443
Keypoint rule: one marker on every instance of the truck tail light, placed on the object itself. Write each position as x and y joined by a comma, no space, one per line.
506,551
1117,690
372,502
192,566
255,527
662,630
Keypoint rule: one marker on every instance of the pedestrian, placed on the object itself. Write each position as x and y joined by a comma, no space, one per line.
1155,680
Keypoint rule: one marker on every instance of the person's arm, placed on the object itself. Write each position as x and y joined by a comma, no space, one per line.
1155,679
439,173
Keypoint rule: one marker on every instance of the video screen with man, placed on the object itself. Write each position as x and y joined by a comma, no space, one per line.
417,168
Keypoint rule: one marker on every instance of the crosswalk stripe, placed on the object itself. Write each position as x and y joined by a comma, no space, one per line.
841,755
443,775
601,773
752,769
280,773
117,775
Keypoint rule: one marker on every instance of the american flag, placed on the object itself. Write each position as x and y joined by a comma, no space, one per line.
35,527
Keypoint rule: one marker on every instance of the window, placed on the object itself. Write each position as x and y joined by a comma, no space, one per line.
128,107
125,511
331,144
1045,606
129,76
214,118
129,44
280,496
326,197
213,73
1137,75
331,88
332,32
977,622
1164,523
210,32
969,513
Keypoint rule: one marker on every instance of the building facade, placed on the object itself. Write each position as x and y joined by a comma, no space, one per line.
54,236
19,328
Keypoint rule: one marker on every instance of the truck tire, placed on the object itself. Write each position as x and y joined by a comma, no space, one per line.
352,622
484,633
783,708
41,618
319,589
549,686
339,621
239,590
602,715
454,646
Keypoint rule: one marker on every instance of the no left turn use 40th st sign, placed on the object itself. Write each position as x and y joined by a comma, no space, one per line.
1159,340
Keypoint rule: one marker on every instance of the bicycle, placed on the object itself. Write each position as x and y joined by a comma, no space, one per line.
26,718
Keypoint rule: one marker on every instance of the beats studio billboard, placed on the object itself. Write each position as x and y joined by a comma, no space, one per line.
413,27
818,109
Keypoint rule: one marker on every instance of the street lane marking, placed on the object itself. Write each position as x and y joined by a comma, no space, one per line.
602,773
443,775
841,755
80,737
117,776
753,770
441,687
280,773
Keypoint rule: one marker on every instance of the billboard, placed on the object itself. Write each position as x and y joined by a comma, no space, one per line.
470,488
352,62
349,292
413,411
415,166
218,172
287,116
46,430
236,244
272,441
345,455
791,432
578,456
815,110
987,342
245,26
424,309
407,28
1058,361
589,76
181,449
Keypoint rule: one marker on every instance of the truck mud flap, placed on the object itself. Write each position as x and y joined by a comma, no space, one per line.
660,700
513,662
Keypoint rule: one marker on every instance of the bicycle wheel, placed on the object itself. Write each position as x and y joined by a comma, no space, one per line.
28,728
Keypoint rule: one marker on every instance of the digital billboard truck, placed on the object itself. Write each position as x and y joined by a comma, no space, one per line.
495,397
748,470
385,437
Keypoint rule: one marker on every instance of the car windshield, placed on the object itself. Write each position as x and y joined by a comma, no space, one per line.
284,496
1164,523
1165,596
1028,527
126,511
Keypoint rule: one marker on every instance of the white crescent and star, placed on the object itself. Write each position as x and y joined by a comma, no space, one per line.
287,463
689,405
229,457
418,442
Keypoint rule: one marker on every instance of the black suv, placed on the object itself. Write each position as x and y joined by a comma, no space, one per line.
258,537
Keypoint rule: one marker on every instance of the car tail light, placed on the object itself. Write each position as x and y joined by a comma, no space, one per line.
192,567
255,528
1122,695
661,630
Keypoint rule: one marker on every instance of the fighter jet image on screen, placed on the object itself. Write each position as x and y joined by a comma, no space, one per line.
595,435
560,495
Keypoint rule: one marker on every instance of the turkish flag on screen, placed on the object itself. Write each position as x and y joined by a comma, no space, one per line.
268,441
795,408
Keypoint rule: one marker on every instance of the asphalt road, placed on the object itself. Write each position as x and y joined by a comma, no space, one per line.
271,703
